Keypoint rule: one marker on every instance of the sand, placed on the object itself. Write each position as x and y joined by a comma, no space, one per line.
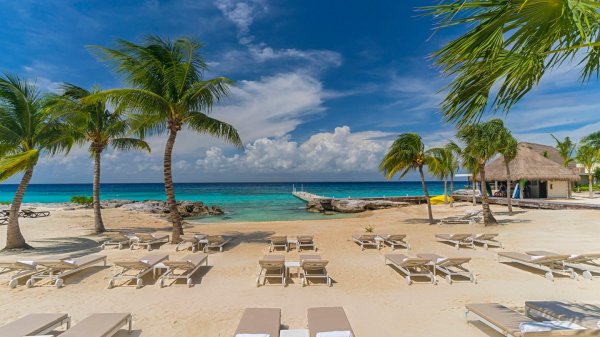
375,297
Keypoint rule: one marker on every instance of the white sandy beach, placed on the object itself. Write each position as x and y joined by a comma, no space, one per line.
375,297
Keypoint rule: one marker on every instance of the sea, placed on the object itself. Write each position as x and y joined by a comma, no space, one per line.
241,201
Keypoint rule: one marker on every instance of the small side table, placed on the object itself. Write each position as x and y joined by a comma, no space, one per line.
291,242
159,267
294,333
380,241
292,264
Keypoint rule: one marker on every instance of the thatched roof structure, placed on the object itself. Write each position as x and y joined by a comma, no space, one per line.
530,164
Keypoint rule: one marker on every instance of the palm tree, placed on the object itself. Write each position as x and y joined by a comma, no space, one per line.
406,154
510,45
168,93
588,156
444,164
92,122
454,164
592,140
483,141
566,148
508,150
26,131
472,165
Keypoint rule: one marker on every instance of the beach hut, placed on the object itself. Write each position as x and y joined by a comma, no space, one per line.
537,170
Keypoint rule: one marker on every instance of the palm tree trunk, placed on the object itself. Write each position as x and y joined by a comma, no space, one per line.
508,196
426,192
488,217
522,189
98,223
169,188
474,190
451,190
14,238
445,190
591,184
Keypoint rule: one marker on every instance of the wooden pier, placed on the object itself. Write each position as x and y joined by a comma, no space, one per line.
308,197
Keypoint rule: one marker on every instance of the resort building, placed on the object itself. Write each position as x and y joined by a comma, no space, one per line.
537,170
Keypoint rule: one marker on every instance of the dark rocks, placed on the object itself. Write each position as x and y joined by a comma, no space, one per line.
350,205
186,208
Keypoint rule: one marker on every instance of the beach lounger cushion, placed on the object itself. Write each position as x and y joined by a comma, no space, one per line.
586,315
33,324
99,325
327,320
259,321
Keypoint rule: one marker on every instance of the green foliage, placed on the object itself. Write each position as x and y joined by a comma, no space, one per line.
444,160
4,202
82,200
369,229
597,174
508,47
585,188
566,148
483,141
406,154
587,156
592,140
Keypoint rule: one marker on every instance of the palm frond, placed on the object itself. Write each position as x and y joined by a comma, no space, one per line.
125,144
13,164
202,123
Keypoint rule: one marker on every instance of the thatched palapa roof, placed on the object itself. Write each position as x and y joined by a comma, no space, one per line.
530,164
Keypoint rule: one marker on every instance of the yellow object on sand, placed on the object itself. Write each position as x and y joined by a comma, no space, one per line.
438,199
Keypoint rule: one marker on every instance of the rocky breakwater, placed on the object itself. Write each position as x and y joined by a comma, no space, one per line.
350,205
186,208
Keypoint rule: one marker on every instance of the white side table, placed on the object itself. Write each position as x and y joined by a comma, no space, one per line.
291,242
380,241
159,267
292,264
294,333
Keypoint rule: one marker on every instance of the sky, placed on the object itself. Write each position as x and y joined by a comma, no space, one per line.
321,87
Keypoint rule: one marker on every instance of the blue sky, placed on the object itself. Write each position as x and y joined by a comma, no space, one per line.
322,87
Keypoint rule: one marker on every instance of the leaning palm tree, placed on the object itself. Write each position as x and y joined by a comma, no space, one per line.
453,165
566,148
168,93
508,150
26,132
508,46
444,165
472,165
406,154
91,122
482,142
588,156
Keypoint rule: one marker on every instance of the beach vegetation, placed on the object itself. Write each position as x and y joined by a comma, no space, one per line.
592,139
369,229
588,156
407,154
508,150
26,131
566,149
444,165
91,122
168,93
507,47
82,200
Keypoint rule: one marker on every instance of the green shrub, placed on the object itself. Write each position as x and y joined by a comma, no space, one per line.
585,188
4,202
82,200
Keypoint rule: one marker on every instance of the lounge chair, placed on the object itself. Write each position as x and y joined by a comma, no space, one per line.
259,322
586,263
550,264
511,323
450,266
278,241
314,268
117,239
394,240
138,269
34,325
27,213
3,221
586,315
194,240
457,240
329,320
183,269
271,266
147,240
53,271
100,325
366,240
470,217
12,271
306,241
487,240
411,267
216,242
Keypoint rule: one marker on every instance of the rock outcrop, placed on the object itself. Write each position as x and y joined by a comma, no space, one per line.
350,205
186,208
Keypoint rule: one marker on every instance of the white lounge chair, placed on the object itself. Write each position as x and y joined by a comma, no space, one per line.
366,240
259,322
278,241
117,239
457,240
306,241
183,269
193,240
53,271
136,269
35,325
147,240
215,242
550,264
411,267
470,217
271,267
394,240
584,314
100,325
313,267
585,263
450,266
12,271
327,321
487,240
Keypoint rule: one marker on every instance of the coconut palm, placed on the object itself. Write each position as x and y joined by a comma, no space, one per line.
508,150
444,164
91,122
482,142
26,132
168,93
566,148
588,156
472,165
592,140
406,154
507,48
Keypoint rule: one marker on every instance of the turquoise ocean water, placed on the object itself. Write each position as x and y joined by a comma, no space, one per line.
241,201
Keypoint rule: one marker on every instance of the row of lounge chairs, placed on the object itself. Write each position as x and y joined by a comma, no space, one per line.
309,269
147,240
376,240
322,322
95,325
553,263
285,243
541,319
469,240
28,213
470,217
426,266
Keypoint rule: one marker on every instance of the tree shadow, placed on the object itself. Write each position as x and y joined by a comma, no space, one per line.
72,246
421,221
506,213
532,270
